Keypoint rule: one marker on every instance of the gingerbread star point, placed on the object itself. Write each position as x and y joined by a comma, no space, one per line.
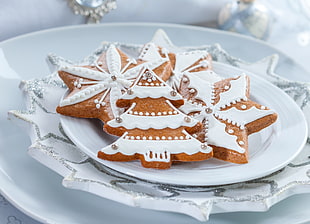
198,62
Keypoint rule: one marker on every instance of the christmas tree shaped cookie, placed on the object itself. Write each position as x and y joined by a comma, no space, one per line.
152,129
227,113
94,89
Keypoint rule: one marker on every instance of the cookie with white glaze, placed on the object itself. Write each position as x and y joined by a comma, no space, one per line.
152,129
197,62
94,89
227,113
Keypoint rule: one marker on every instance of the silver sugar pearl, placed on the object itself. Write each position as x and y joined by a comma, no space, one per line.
187,119
208,110
118,120
114,146
185,79
148,74
204,146
173,93
129,91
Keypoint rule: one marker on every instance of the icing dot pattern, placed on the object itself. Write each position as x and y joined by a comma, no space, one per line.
163,113
157,138
226,105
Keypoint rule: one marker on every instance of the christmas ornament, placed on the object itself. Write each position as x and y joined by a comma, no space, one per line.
247,17
94,10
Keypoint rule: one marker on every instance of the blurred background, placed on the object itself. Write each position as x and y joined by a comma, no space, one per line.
283,23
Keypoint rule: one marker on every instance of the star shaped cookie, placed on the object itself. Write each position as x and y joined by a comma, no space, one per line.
94,89
227,113
198,62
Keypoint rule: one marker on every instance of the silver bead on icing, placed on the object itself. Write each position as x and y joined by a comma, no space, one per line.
173,93
129,91
187,119
204,146
208,110
118,120
148,74
185,79
114,146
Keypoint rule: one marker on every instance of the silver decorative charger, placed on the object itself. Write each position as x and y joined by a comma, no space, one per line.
54,149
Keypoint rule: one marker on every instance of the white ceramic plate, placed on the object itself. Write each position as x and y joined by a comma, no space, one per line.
37,190
269,149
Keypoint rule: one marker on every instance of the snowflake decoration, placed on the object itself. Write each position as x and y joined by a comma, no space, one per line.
102,83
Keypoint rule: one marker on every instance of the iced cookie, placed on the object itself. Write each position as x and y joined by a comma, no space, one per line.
198,62
152,129
94,89
227,113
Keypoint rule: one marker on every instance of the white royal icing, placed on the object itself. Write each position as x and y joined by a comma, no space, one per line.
236,92
151,92
165,148
212,114
77,98
185,60
215,129
154,91
113,59
150,52
242,117
219,137
84,72
205,90
207,75
184,65
154,148
144,122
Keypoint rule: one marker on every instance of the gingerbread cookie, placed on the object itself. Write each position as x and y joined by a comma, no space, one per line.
198,62
227,113
152,129
94,89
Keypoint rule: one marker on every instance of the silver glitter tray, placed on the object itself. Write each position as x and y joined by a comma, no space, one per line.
53,148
